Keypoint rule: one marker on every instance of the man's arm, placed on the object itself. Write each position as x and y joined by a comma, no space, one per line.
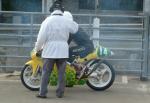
42,36
73,27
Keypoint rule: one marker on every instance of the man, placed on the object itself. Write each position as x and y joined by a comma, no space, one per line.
81,46
52,38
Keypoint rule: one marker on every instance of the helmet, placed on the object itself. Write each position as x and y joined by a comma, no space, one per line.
57,5
68,15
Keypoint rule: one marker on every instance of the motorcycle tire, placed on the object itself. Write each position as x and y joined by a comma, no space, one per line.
32,88
108,83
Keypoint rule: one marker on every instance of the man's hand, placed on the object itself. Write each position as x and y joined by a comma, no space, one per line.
39,53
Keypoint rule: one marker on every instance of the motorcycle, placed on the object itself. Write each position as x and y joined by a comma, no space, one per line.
97,73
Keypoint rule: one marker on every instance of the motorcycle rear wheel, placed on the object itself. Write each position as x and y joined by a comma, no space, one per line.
102,78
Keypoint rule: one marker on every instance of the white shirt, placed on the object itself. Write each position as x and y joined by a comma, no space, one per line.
54,34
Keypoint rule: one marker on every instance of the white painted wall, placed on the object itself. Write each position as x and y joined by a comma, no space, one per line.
46,5
146,7
43,6
49,3
96,23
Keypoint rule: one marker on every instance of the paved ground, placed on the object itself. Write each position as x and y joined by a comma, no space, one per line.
125,90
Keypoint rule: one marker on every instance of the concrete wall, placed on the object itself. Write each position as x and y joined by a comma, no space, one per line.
147,11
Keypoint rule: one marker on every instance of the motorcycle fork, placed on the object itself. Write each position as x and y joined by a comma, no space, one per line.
36,66
38,70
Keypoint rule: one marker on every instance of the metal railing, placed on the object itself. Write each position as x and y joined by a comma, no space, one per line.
126,35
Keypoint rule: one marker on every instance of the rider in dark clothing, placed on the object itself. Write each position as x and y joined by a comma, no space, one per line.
84,45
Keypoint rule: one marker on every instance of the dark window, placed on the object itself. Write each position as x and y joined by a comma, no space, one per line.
87,4
128,5
22,5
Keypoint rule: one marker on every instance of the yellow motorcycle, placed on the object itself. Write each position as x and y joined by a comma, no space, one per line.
98,74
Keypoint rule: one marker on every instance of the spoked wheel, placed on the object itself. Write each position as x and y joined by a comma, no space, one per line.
29,81
103,76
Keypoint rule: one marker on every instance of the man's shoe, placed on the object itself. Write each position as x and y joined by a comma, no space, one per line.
60,95
40,96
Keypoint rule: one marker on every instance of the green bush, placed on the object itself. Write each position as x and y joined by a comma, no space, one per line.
69,77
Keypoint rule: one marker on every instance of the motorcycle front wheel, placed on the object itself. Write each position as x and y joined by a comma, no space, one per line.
103,76
28,80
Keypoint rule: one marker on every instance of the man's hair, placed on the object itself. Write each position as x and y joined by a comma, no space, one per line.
57,5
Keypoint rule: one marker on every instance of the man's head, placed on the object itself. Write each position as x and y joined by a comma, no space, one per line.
57,5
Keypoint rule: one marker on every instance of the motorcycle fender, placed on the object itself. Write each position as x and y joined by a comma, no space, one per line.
34,65
92,61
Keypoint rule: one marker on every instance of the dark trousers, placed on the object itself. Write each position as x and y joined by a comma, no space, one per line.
47,69
81,51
